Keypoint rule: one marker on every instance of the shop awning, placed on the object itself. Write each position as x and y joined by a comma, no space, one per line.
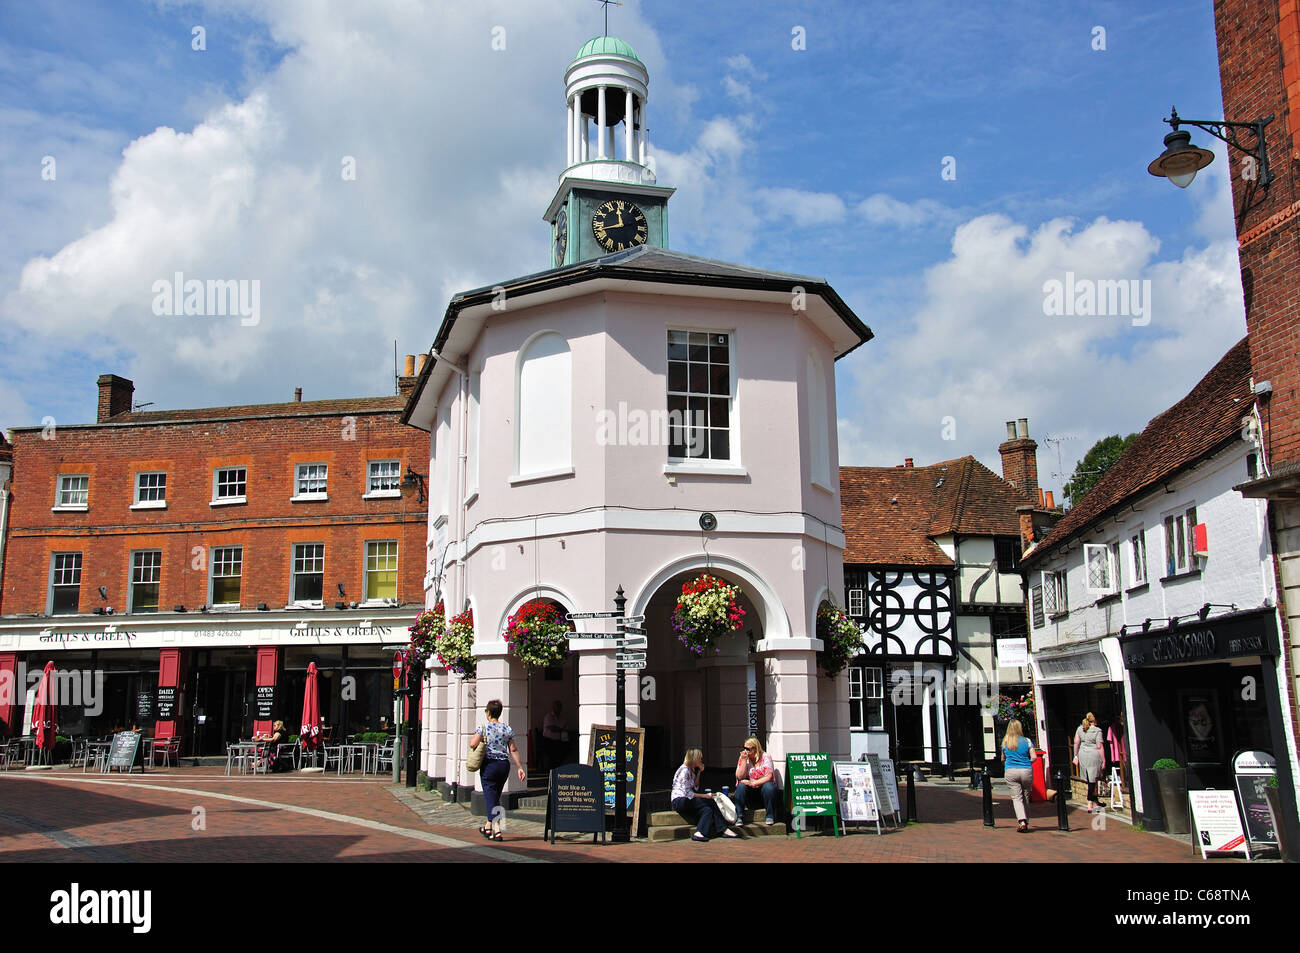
1071,667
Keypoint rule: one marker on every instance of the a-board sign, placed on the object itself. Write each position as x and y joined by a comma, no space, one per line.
575,802
811,782
1251,770
1216,825
143,706
28,709
856,788
125,752
265,702
166,703
603,754
891,783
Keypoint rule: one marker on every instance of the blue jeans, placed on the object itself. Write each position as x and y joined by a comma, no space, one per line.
768,792
700,809
495,773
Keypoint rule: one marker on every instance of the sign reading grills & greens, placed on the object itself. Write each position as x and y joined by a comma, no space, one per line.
811,781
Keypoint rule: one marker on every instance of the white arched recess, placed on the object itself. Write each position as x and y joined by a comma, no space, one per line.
824,595
517,603
543,406
776,625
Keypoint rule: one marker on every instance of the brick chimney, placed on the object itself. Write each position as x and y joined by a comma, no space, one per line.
1020,457
115,395
406,383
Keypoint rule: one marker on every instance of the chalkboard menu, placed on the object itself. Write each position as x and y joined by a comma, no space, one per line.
125,752
575,802
167,703
811,781
603,754
143,706
265,702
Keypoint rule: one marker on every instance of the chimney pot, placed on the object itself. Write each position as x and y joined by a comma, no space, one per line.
907,462
408,367
419,366
1051,505
1042,500
1011,430
297,395
1022,427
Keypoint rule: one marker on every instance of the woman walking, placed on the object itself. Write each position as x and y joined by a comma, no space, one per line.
1018,755
694,806
501,750
1089,757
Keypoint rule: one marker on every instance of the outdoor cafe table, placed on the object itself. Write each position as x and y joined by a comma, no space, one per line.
242,752
97,754
347,751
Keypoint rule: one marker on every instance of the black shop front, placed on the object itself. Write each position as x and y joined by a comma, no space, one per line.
1201,691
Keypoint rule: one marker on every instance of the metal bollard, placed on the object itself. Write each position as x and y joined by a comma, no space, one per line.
911,793
987,784
1062,796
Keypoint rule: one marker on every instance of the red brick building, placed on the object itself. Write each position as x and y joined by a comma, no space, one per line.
195,561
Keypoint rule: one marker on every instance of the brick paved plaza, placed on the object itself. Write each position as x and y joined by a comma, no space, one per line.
199,814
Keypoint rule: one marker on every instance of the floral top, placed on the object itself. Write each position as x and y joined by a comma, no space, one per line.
761,771
497,737
683,783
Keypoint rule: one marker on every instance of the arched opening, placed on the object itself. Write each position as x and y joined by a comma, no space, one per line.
551,696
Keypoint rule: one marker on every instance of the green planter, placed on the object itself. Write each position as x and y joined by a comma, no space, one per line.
1171,787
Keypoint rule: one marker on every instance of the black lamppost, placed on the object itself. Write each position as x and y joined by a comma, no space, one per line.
1181,160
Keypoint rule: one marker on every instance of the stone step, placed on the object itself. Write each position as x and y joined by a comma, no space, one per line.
682,831
673,819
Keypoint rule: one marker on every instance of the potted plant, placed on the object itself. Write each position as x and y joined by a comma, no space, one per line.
538,634
707,609
841,636
429,625
454,647
1171,786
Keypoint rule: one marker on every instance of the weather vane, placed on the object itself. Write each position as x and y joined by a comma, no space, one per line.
606,3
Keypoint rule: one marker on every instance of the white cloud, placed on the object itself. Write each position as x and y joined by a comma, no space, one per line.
980,349
801,207
882,209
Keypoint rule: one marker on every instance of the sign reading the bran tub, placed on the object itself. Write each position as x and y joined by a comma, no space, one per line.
811,781
576,802
603,754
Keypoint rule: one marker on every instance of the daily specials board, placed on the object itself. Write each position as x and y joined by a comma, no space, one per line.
603,754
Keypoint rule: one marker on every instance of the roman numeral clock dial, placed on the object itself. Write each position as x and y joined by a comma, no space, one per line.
619,225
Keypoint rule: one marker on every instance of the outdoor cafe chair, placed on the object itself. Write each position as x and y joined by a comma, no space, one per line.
334,753
384,756
167,747
294,751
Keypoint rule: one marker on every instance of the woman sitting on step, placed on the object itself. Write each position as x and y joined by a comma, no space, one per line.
694,806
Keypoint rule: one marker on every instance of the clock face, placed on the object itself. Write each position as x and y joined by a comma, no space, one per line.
619,225
561,236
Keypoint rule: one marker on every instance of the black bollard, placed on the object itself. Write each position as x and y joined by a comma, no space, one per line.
911,793
1062,796
987,784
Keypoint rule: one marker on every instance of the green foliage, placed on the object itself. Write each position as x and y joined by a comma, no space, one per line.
1166,764
1271,782
1095,463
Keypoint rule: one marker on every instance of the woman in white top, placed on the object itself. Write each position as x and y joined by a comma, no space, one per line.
694,806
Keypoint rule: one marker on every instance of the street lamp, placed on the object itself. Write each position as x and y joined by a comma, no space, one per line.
1181,160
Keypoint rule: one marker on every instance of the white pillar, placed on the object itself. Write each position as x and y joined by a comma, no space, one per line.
609,149
790,678
645,135
597,704
600,124
570,139
627,127
586,138
502,676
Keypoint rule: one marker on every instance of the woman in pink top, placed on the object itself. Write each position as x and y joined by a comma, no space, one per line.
754,771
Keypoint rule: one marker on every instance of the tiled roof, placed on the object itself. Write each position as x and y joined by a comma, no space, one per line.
302,408
892,514
1186,432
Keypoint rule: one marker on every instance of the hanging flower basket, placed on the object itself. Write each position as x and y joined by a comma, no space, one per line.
538,634
842,637
454,648
429,626
1021,709
707,610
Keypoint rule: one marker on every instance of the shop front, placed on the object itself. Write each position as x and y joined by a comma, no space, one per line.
1200,693
1069,683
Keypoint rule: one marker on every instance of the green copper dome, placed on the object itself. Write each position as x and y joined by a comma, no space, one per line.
607,45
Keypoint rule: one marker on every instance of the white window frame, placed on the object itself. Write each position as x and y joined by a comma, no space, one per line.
1055,594
293,577
212,576
856,603
714,466
49,601
158,504
1099,560
299,476
365,571
1138,556
61,489
131,580
374,494
216,485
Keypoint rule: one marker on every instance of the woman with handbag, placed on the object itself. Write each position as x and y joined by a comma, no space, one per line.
1089,757
498,741
693,805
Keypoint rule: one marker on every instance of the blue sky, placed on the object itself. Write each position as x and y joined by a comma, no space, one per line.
825,160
